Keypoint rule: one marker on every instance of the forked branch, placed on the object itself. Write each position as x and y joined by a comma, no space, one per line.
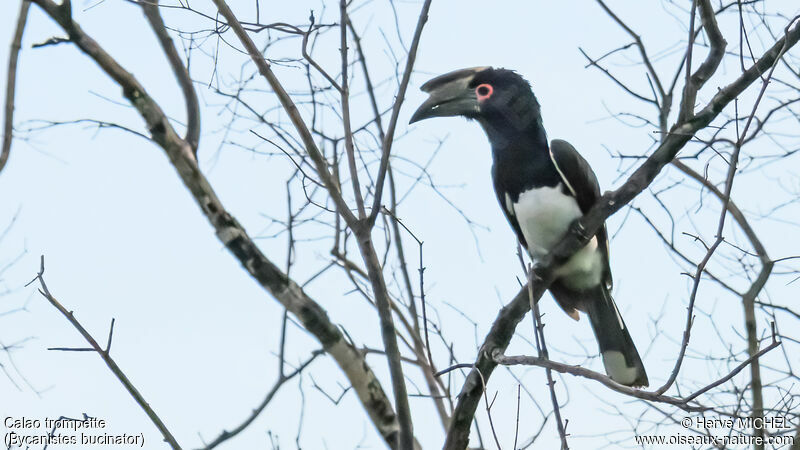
105,354
582,230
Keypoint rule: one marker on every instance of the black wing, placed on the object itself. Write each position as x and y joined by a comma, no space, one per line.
582,183
506,205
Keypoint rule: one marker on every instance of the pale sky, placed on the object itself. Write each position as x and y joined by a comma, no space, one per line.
198,337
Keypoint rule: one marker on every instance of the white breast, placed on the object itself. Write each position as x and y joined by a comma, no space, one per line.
544,215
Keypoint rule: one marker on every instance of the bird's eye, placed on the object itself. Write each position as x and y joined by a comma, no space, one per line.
484,91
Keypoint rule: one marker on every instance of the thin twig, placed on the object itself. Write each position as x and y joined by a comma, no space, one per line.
345,97
314,64
153,14
541,348
225,434
499,336
104,354
289,106
11,83
421,284
516,420
398,102
681,402
231,234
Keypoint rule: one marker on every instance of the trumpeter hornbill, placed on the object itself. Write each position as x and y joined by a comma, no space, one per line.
542,189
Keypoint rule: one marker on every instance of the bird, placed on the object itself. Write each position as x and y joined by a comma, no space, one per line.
542,188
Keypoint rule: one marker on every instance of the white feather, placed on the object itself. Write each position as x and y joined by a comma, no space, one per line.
509,204
544,215
617,368
561,174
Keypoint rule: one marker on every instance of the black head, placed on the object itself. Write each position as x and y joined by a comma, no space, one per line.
497,98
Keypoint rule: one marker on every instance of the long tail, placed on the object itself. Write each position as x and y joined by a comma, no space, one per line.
619,354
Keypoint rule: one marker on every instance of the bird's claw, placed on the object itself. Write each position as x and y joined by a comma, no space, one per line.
578,230
536,270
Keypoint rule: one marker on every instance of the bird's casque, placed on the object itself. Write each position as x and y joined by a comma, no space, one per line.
542,188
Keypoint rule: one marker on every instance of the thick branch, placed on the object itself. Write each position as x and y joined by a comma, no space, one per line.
228,230
503,328
497,339
426,366
389,335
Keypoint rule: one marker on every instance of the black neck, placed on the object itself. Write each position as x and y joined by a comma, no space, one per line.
508,140
521,155
509,121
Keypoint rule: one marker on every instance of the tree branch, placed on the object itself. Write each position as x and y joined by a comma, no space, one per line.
344,90
681,402
388,139
639,45
228,230
264,69
541,348
282,378
580,233
153,15
11,83
716,51
106,356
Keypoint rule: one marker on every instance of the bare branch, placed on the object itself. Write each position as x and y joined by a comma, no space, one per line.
388,139
498,337
228,230
13,57
639,45
709,66
348,131
291,109
153,15
595,63
541,348
684,403
106,356
314,64
282,378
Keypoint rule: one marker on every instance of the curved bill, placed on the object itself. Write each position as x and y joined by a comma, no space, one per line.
450,95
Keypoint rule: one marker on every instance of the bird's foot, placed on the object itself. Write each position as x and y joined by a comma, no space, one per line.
577,229
536,270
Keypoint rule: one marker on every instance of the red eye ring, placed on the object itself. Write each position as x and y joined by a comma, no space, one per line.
484,91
